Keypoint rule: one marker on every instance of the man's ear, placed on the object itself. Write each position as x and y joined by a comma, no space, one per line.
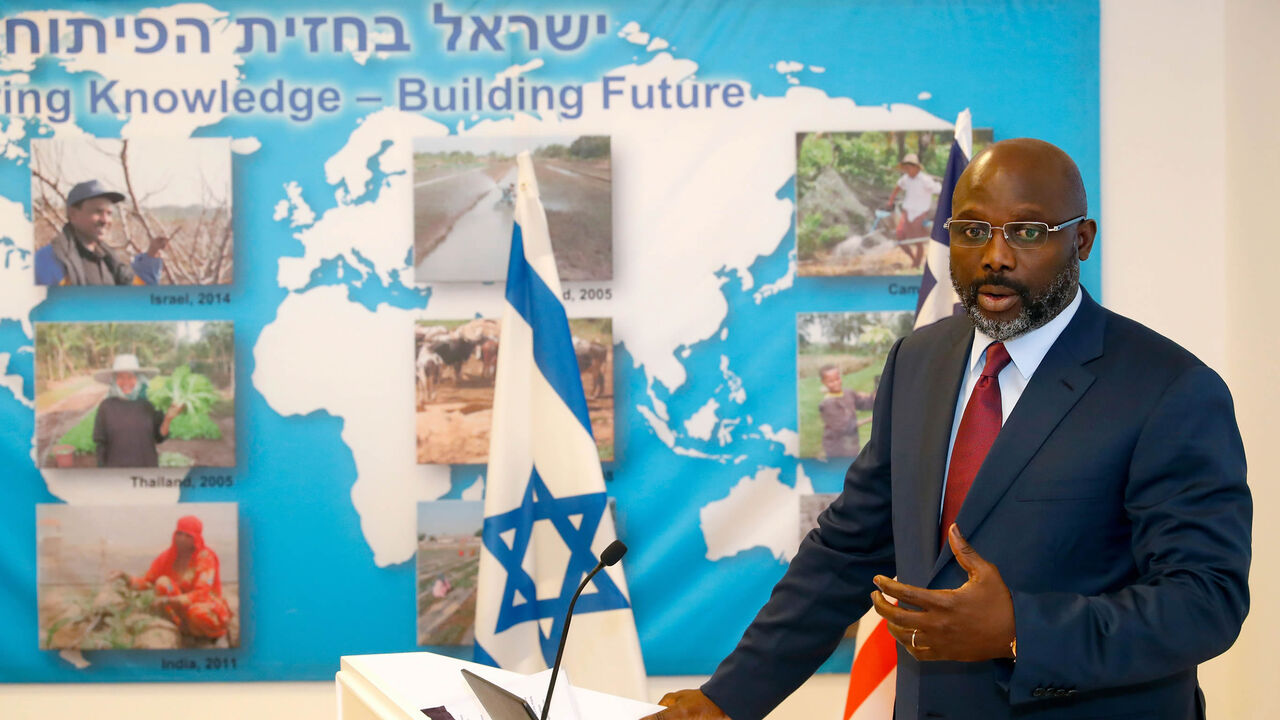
1085,233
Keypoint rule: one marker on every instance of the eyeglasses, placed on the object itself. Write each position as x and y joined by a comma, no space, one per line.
1019,235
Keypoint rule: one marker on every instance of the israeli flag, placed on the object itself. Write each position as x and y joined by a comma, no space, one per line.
937,298
546,512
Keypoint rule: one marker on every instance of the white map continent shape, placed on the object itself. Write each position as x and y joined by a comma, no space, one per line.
701,423
165,68
760,511
12,381
324,352
786,437
19,296
669,247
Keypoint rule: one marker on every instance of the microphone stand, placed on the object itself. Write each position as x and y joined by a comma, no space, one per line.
610,556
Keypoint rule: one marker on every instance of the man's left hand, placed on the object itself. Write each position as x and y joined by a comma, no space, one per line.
971,623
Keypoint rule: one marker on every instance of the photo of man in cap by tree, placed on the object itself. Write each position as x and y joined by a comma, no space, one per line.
147,211
79,256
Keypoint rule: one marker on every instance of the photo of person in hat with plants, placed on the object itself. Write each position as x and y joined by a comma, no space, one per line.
135,395
128,427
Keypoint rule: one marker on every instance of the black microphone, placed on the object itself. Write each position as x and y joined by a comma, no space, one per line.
608,558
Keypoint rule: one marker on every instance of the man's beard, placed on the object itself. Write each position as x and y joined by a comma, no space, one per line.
87,239
1036,310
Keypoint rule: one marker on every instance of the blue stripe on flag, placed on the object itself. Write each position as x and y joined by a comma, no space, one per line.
956,163
552,342
483,657
927,283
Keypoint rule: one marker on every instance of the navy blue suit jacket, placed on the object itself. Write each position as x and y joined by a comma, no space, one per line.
1113,503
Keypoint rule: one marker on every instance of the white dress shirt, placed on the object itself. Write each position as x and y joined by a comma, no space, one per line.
1026,351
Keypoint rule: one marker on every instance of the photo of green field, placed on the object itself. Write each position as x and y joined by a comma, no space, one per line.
448,561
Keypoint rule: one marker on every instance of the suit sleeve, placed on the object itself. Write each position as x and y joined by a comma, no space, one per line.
826,588
1190,513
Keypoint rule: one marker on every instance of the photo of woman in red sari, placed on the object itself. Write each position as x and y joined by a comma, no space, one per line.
188,583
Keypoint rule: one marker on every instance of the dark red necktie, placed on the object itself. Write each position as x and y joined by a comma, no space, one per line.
979,426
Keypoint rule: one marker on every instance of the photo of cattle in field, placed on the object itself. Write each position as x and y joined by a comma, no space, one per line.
455,363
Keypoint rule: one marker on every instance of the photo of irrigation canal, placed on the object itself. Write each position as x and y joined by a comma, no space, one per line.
464,197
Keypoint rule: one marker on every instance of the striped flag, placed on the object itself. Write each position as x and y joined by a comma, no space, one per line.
874,672
546,511
937,298
875,660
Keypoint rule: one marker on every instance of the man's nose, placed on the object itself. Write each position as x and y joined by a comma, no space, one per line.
997,255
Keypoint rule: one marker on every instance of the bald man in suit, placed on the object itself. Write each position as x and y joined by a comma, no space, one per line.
1059,491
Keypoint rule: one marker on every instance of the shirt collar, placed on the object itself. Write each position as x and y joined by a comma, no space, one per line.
82,245
1028,349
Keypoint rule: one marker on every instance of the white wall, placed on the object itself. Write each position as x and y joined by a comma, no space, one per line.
1164,168
1190,111
1246,675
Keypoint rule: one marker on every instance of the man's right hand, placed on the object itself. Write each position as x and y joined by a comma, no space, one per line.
157,245
688,705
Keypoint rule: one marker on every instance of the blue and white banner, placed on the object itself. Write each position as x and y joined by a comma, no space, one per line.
547,516
319,173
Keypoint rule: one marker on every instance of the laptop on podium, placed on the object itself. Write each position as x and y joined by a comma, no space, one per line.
501,704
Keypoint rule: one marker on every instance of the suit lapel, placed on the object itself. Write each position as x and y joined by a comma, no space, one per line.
1058,383
940,386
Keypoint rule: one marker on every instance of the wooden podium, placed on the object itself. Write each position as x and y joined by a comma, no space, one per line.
398,686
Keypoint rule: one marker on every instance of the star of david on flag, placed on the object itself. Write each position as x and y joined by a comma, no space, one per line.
539,504
546,511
